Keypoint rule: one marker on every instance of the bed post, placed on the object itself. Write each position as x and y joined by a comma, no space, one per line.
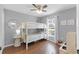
26,37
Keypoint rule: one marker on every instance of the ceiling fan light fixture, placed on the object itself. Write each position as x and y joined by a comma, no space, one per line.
39,11
39,8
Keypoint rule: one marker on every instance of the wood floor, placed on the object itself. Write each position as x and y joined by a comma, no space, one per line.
39,47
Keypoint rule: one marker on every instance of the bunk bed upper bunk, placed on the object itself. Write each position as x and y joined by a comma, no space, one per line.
35,35
34,25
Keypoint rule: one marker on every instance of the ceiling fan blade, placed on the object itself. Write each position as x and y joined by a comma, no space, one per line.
33,9
45,6
35,5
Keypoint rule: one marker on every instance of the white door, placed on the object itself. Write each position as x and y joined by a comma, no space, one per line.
51,27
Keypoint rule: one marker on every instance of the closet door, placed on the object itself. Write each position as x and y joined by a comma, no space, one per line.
51,28
71,42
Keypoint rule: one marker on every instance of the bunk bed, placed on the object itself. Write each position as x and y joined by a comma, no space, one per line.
32,37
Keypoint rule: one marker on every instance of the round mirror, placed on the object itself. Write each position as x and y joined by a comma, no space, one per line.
12,24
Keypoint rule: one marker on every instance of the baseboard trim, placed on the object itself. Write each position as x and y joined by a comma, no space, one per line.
8,45
2,48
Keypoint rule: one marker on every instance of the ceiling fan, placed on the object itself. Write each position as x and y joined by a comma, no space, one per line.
39,8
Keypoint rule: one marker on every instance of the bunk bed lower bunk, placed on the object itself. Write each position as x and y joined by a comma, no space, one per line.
35,37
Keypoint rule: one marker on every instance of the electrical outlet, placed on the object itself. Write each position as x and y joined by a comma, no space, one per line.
0,48
78,51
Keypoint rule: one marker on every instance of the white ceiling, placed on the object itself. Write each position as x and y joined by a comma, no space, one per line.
25,8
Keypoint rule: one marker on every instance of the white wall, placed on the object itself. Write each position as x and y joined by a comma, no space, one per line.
5,16
1,26
19,18
78,27
68,14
